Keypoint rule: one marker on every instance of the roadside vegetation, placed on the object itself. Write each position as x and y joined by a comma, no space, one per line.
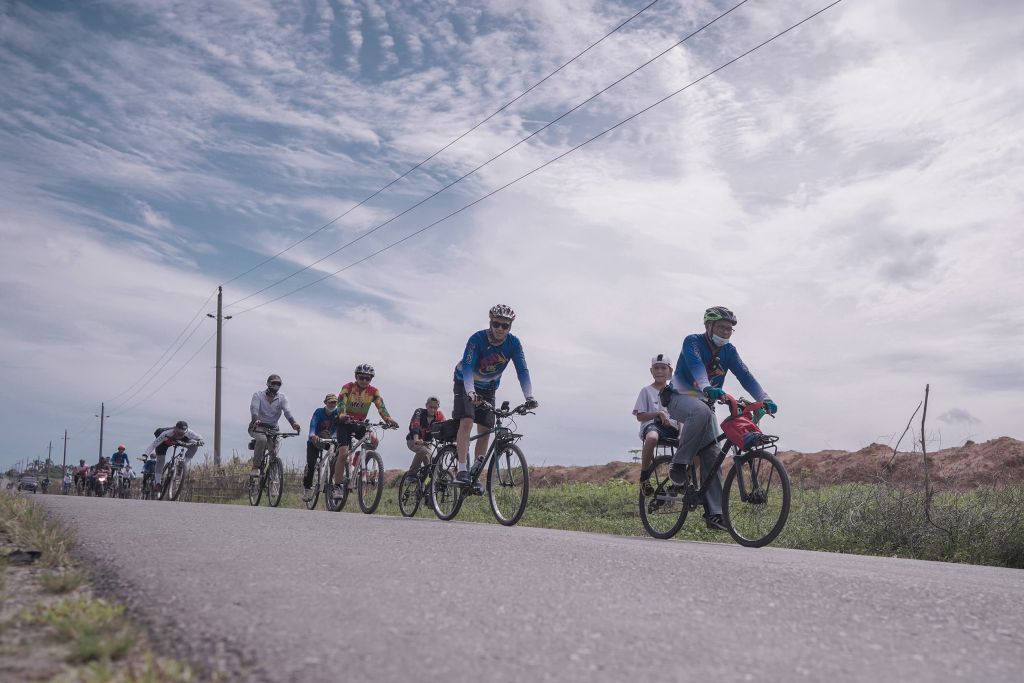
53,627
980,526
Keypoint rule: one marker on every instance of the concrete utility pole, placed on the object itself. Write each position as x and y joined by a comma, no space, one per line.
220,318
64,467
102,416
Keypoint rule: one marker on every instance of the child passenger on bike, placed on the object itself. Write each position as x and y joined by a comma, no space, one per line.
322,426
419,432
656,425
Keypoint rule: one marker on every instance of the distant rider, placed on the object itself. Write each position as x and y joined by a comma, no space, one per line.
322,426
419,432
265,410
178,434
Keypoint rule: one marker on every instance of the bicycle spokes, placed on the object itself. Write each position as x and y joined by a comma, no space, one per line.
756,498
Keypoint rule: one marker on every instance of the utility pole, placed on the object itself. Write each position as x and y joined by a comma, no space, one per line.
64,467
102,416
220,318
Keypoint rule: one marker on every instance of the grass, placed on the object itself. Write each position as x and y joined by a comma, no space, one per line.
26,525
94,627
62,581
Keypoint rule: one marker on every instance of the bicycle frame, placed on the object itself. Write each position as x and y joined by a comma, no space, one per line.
503,436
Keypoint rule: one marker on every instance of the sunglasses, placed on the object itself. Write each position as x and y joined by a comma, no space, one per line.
331,403
362,377
500,326
275,384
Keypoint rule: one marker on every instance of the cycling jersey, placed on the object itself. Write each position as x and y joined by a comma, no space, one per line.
323,423
483,362
699,367
355,402
420,423
169,438
119,458
149,467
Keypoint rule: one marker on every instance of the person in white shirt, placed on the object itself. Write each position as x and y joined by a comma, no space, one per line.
266,409
179,433
655,422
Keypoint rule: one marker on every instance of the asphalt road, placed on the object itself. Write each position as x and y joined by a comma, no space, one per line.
293,595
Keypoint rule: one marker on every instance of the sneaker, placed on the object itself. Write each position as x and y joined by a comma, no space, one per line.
677,473
478,488
307,494
338,491
646,489
463,478
255,473
715,523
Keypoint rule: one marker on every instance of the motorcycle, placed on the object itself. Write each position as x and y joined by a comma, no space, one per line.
102,482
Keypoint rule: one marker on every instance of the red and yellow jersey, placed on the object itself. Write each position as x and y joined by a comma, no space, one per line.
355,402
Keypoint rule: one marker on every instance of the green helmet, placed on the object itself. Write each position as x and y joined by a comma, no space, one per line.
719,313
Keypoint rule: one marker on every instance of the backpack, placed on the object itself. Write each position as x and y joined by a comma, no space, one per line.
445,431
160,430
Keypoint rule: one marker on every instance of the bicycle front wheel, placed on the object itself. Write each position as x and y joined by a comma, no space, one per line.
755,499
336,503
256,489
508,484
177,480
275,483
662,503
314,496
410,491
165,482
445,497
371,483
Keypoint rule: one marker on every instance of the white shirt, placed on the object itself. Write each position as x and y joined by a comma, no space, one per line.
169,434
268,409
649,401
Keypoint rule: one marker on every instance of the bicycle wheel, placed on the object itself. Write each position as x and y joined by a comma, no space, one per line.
256,489
178,480
508,484
663,504
314,491
410,491
445,497
165,482
275,483
371,483
335,504
755,499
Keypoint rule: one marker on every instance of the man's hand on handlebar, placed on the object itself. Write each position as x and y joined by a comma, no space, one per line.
713,393
531,403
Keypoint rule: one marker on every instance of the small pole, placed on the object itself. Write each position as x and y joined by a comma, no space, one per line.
102,416
65,466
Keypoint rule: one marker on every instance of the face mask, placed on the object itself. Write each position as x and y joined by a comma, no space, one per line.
719,341
272,390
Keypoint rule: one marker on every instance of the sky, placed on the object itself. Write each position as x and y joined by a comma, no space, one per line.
853,191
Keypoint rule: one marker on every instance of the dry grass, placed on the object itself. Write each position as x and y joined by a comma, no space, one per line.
26,525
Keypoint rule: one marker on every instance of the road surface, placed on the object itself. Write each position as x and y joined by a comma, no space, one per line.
293,595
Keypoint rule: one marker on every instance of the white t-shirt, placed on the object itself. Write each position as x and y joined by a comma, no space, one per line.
648,401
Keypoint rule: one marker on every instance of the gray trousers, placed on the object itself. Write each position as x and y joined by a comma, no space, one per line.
698,438
260,449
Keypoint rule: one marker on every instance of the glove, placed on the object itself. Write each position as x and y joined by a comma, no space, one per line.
770,406
295,426
713,393
531,403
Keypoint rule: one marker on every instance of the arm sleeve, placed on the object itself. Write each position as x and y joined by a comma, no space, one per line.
519,360
690,358
735,363
287,410
254,405
157,440
378,401
468,367
414,424
641,403
342,400
313,422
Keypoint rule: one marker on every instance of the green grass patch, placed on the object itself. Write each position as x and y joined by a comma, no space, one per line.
94,627
62,581
26,525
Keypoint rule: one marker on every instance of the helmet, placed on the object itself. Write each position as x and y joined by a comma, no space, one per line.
331,397
503,311
365,369
274,378
719,313
661,359
181,425
121,447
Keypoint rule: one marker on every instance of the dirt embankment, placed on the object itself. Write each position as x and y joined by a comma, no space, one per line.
999,462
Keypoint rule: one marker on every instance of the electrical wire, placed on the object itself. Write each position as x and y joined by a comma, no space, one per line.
494,158
169,379
454,141
547,163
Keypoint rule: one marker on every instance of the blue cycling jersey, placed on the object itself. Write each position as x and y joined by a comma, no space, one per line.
323,423
149,467
482,364
119,458
698,367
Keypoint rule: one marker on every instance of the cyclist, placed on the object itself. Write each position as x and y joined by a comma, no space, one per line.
477,376
265,409
419,432
322,426
354,402
703,363
80,473
148,469
656,425
120,458
178,434
67,482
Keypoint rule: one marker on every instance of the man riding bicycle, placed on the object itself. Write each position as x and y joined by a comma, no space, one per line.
120,458
266,409
419,432
477,376
354,401
704,361
80,473
322,426
178,434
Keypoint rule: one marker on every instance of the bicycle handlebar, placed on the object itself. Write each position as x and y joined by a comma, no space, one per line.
520,409
742,406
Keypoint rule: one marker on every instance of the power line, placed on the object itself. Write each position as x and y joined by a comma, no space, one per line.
547,163
454,141
173,375
493,158
187,325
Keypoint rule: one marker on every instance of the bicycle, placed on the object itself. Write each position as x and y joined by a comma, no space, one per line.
756,493
415,486
369,472
272,472
508,478
172,477
323,473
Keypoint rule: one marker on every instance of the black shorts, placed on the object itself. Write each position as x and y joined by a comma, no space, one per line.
348,431
464,406
663,431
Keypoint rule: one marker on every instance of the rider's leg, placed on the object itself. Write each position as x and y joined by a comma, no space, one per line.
713,494
190,453
481,443
698,426
462,440
647,452
339,466
259,450
161,457
419,458
312,455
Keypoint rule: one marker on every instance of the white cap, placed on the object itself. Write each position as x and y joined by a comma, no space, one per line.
661,359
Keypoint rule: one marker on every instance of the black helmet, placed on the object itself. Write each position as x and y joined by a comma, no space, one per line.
719,313
182,425
274,378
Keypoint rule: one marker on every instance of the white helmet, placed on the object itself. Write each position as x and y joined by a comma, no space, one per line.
503,311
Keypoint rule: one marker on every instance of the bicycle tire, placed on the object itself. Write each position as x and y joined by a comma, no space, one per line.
370,485
275,483
314,497
256,489
336,504
756,523
165,482
445,497
663,511
410,492
177,480
508,484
